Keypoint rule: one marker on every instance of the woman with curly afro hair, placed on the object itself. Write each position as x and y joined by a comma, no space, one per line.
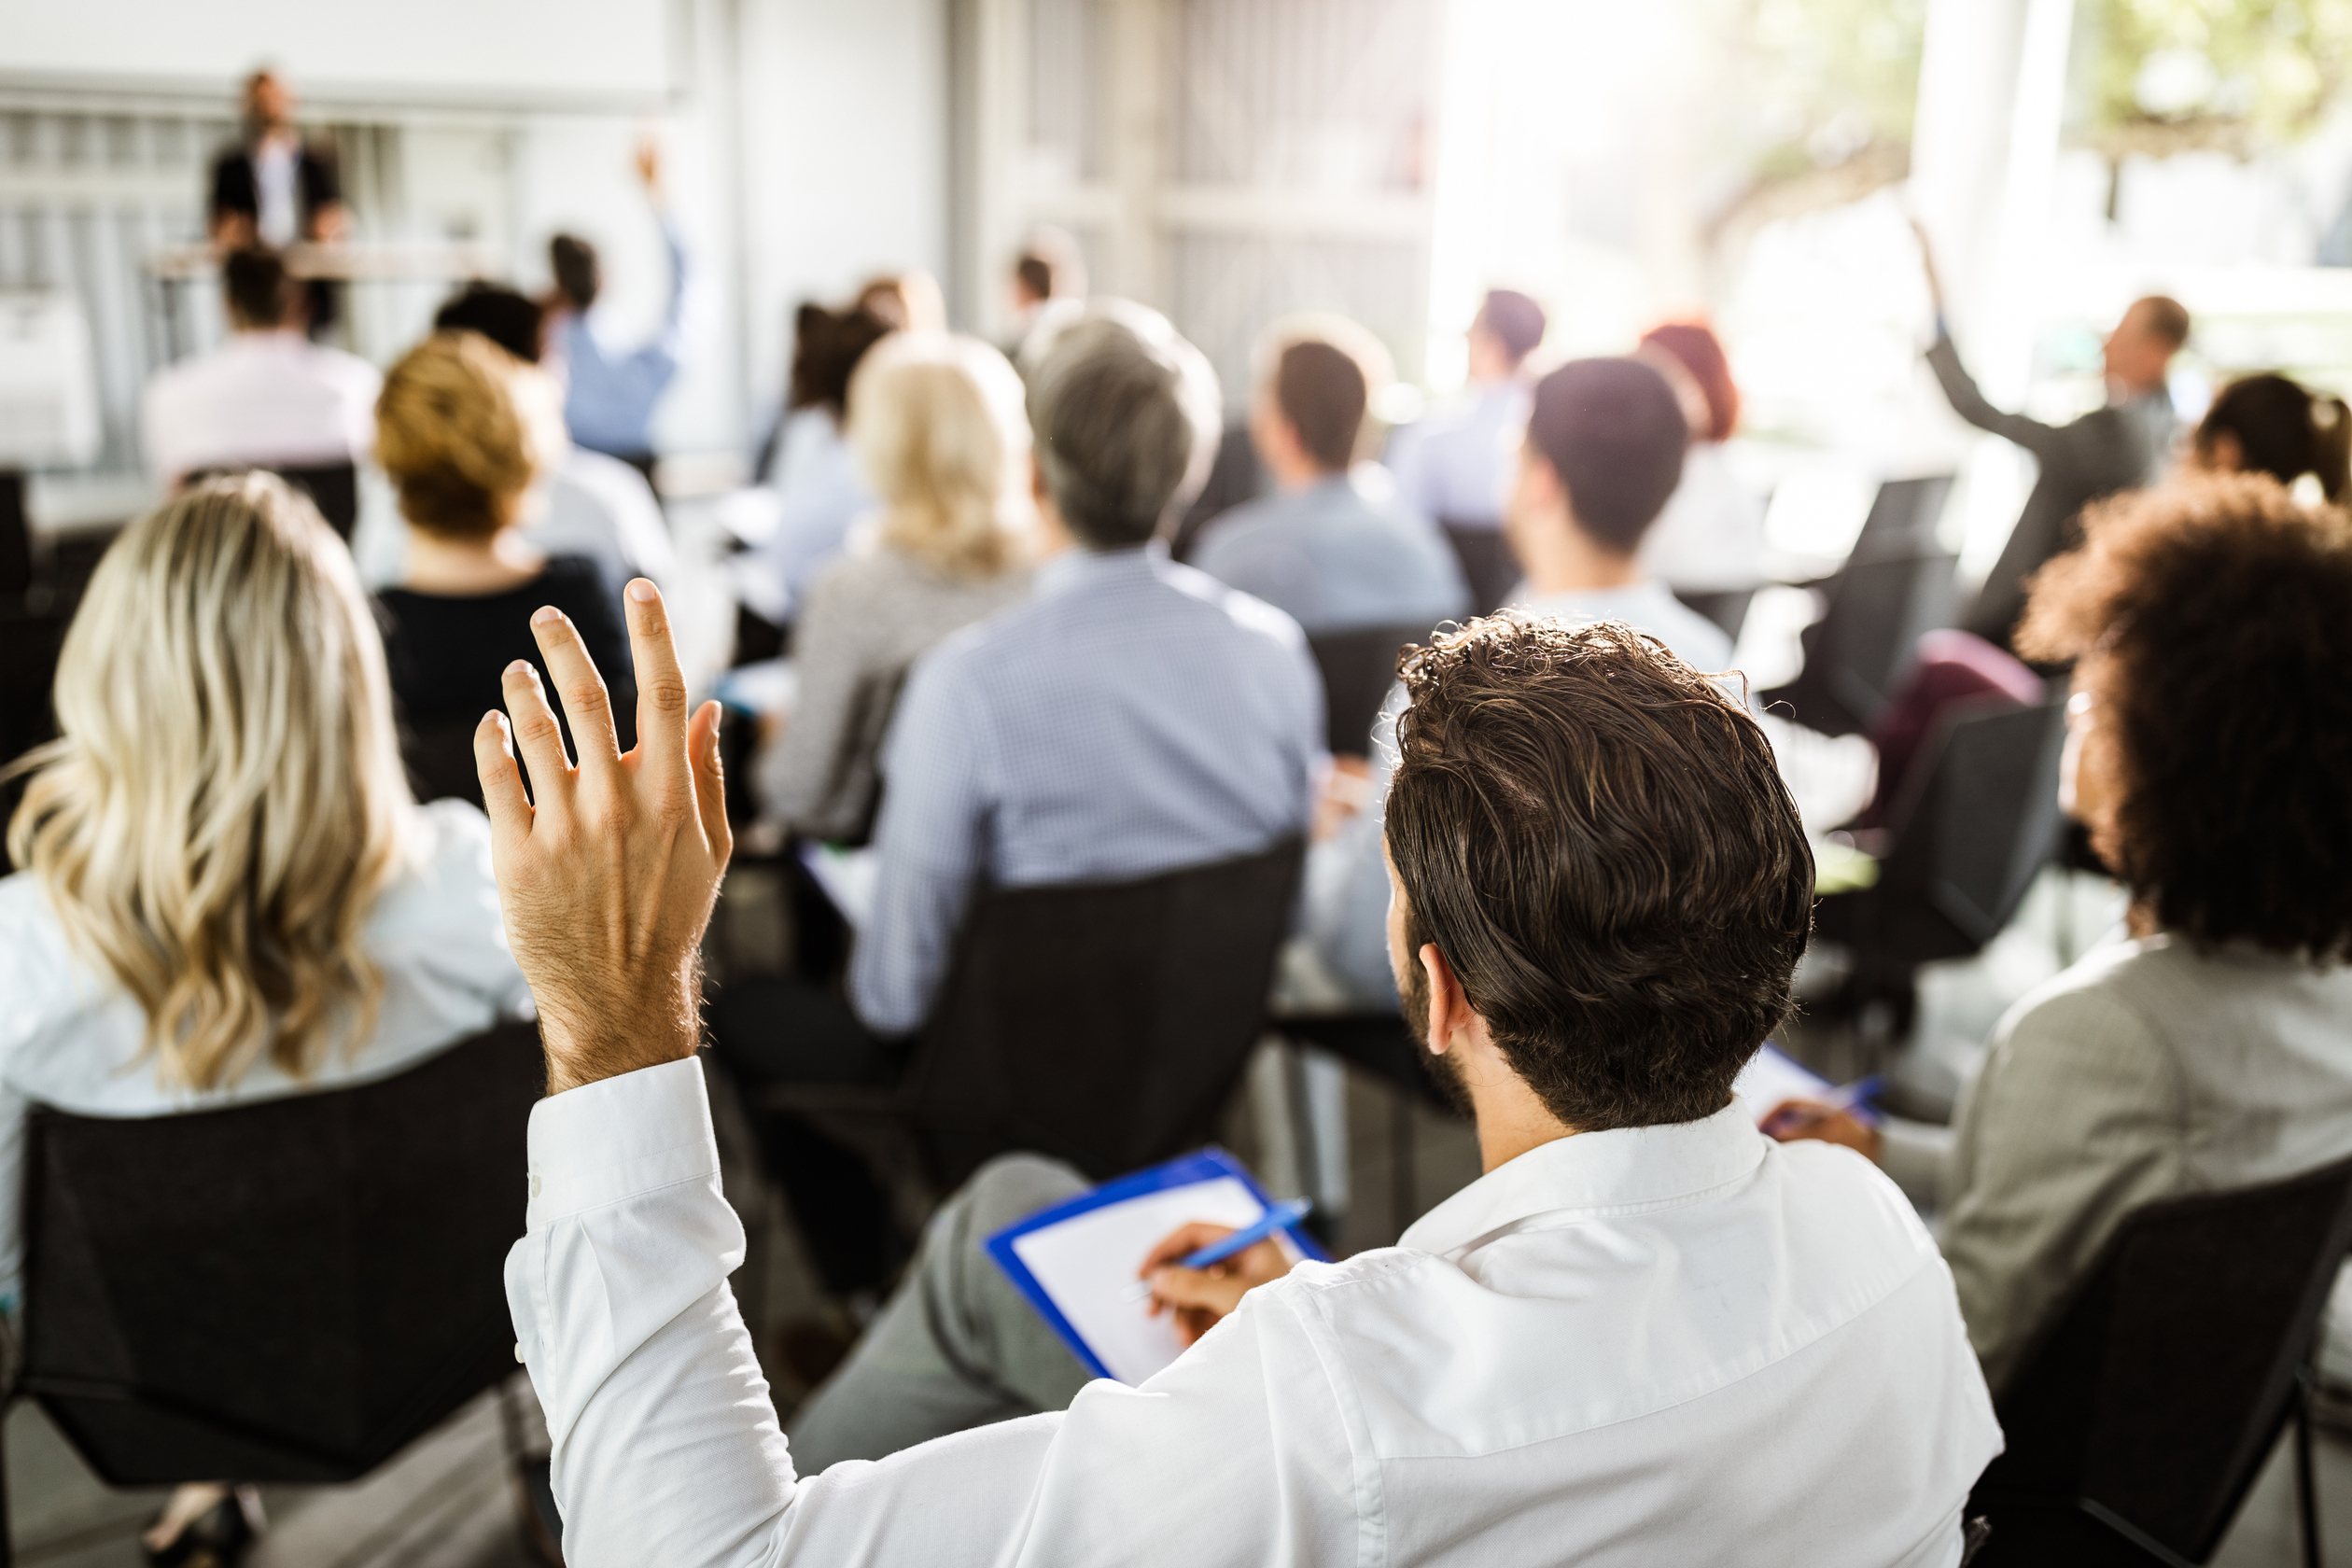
2209,753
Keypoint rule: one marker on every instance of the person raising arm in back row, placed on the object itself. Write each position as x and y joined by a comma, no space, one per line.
1647,1334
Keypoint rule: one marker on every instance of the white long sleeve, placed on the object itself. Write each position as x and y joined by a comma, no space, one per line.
1665,1344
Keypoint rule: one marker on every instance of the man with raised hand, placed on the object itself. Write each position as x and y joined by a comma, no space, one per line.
1647,1334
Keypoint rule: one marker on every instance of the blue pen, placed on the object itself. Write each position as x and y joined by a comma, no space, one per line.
1280,1217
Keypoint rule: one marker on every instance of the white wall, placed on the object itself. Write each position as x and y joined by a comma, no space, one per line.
427,51
844,156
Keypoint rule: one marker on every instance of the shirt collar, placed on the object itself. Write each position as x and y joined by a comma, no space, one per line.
1079,567
1620,1170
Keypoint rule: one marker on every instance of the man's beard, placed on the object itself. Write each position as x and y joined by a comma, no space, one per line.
1443,1069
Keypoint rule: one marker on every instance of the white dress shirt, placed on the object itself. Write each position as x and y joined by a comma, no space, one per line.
72,1037
261,398
1456,463
601,508
1710,538
1666,1345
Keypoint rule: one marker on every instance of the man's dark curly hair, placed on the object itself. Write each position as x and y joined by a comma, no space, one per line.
1596,838
2214,620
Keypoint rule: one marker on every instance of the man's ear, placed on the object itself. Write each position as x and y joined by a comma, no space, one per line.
1449,1011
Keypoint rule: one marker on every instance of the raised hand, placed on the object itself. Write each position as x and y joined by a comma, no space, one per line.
608,879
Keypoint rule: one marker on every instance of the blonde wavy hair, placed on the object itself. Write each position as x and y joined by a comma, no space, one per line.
227,800
936,423
462,431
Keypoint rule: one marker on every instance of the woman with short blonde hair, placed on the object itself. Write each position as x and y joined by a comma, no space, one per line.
935,421
463,432
227,894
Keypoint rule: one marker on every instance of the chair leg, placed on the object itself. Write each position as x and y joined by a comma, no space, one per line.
8,1525
2307,1488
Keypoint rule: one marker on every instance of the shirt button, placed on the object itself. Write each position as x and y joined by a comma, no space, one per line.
535,1185
518,1350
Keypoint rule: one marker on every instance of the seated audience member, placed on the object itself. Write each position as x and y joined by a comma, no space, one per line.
1454,464
1710,538
936,424
819,490
1131,718
1602,451
591,504
612,389
909,302
2212,1048
1605,447
268,396
1646,1334
222,703
462,435
2269,425
1049,268
1329,548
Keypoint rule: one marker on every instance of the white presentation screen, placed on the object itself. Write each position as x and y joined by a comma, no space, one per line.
418,50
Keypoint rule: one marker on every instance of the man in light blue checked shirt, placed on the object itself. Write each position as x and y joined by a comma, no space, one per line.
1133,717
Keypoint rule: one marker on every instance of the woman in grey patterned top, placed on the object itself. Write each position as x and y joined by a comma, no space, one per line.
935,422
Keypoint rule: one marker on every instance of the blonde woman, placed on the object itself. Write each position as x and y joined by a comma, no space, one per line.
463,433
936,425
227,894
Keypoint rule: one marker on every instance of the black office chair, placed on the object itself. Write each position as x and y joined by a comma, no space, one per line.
2139,1419
1359,668
1903,517
16,537
1104,1025
1866,639
333,487
1101,1024
287,1291
1728,610
1977,820
1489,565
30,640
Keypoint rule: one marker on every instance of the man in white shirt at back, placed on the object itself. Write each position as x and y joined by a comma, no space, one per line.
267,398
1645,1336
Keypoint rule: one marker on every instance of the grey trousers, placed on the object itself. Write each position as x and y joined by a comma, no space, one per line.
957,1346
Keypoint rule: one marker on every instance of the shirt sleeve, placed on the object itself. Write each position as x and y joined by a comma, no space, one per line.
1960,390
2077,1118
666,1443
930,846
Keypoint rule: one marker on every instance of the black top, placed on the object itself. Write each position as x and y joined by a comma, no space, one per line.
235,189
448,650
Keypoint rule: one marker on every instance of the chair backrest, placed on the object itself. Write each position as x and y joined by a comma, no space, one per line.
1903,516
2162,1383
287,1291
15,536
333,487
1977,820
1866,639
1104,1025
1359,668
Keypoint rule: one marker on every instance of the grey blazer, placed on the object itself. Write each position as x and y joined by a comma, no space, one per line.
2147,1071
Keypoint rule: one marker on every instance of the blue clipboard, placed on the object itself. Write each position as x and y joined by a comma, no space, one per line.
1207,1165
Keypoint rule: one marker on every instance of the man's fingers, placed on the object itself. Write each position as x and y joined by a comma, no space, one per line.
587,705
1191,1287
502,797
710,786
535,737
1182,1241
661,686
